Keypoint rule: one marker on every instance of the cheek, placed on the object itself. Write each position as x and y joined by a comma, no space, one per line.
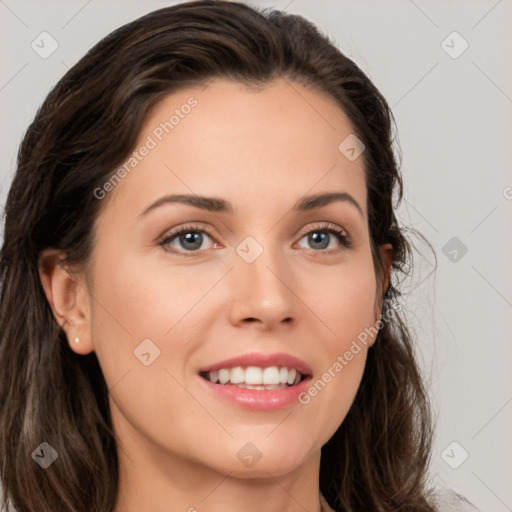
136,301
348,309
132,304
348,305
143,316
143,301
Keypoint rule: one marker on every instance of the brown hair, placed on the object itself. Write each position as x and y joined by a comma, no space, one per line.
378,457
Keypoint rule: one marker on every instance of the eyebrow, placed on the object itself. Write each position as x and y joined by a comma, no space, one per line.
214,204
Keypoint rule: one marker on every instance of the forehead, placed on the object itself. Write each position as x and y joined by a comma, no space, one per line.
250,145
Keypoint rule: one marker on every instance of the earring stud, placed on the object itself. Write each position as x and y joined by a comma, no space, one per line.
77,339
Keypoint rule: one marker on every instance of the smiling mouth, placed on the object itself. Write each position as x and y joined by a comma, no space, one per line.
254,377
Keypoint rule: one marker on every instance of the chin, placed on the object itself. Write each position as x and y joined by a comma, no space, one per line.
263,469
261,457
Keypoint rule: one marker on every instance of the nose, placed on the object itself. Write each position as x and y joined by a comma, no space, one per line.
262,291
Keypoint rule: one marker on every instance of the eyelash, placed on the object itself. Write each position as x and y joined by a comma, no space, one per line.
340,234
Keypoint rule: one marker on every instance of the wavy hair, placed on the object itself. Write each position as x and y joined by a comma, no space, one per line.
378,458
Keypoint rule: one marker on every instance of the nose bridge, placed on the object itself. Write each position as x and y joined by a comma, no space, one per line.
261,286
256,256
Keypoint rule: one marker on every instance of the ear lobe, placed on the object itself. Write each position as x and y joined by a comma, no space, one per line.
68,299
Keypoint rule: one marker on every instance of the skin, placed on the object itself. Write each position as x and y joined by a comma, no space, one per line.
262,150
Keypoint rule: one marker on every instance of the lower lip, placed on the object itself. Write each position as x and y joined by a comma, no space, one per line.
256,399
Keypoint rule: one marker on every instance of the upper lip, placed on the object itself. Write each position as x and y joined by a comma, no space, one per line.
261,360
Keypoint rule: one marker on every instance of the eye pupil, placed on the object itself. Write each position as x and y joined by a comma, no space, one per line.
189,238
317,236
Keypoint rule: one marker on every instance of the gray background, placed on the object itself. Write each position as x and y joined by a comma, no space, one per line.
454,118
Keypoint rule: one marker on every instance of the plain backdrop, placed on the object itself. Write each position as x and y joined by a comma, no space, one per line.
444,68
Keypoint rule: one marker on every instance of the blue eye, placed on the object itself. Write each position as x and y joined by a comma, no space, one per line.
191,238
320,237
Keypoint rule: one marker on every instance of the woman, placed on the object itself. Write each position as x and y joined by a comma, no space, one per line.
266,366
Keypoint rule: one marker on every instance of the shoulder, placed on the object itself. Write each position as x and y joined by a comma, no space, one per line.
447,500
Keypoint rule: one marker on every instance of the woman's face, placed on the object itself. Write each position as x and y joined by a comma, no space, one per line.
259,278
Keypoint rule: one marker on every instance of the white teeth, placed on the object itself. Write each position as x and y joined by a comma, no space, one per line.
271,375
223,376
237,375
291,376
263,387
254,377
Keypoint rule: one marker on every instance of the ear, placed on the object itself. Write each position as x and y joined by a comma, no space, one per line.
68,297
386,257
